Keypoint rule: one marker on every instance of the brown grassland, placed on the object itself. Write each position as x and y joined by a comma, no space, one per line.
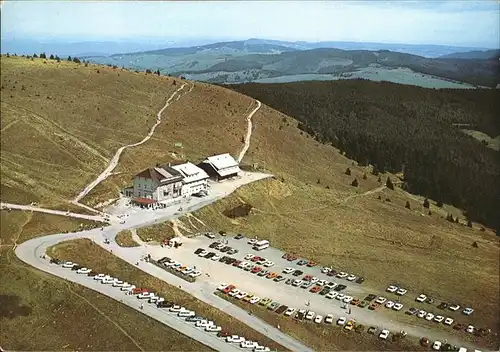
310,208
156,233
124,239
88,254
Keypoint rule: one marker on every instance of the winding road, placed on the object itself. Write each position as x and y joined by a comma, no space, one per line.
249,131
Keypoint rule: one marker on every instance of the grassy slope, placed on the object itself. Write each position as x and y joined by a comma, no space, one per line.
34,305
67,115
380,240
124,239
92,256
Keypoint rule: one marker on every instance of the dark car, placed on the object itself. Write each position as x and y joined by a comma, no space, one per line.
194,319
289,281
76,267
236,262
297,273
430,300
281,309
340,288
165,304
198,251
210,255
360,280
302,262
214,244
263,272
239,236
92,273
55,261
332,273
230,260
412,311
370,297
325,291
443,305
223,259
225,249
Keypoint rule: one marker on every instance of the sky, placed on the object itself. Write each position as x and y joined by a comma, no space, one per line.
460,23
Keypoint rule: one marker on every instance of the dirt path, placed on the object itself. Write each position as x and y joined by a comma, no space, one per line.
50,211
249,132
375,190
114,161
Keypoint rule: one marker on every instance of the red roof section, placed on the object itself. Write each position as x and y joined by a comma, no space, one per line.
144,201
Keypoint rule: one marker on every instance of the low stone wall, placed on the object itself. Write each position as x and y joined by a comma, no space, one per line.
173,271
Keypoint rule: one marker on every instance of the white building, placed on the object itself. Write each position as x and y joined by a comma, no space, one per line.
194,179
221,166
160,184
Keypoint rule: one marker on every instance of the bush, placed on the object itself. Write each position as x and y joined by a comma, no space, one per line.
355,183
407,206
426,203
348,172
389,184
238,211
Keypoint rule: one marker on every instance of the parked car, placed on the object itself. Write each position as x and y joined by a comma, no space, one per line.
438,318
429,316
391,289
203,253
234,292
83,271
290,311
384,334
372,330
318,319
310,315
316,289
273,306
310,264
235,339
213,328
232,251
198,251
279,278
421,298
254,300
421,313
341,321
448,321
297,272
360,280
289,281
339,288
468,311
288,270
329,319
436,345
238,236
210,255
454,307
412,311
302,262
397,306
214,244
249,344
381,300
351,277
228,289
281,309
349,325
401,291
443,305
370,297
265,301
331,295
263,272
68,265
389,304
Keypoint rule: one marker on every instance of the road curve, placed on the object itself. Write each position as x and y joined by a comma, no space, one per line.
31,253
114,161
249,132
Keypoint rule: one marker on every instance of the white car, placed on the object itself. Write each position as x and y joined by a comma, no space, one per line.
341,321
310,315
297,282
389,304
68,265
235,339
118,283
172,262
331,295
384,334
252,241
144,295
318,319
288,270
381,300
321,282
397,306
83,271
176,308
222,286
329,319
340,296
128,288
241,294
195,274
213,328
448,321
290,311
454,307
342,275
326,270
261,349
429,316
421,298
249,256
268,264
187,271
255,299
248,344
186,313
468,311
421,313
156,299
314,279
331,284
351,277
391,289
438,318
347,299
401,291
203,253
234,292
436,345
470,329
243,265
100,277
204,323
108,280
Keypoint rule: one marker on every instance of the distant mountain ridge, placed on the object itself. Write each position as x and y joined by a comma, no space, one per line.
474,54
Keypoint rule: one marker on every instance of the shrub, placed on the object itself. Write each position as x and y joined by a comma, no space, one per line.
355,183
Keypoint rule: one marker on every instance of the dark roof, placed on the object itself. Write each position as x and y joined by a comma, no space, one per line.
144,201
161,172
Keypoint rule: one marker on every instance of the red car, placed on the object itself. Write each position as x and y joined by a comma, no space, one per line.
311,264
285,256
229,289
316,289
256,259
236,263
256,269
307,278
138,290
292,257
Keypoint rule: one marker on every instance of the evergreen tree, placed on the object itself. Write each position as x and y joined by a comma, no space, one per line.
469,222
35,55
43,56
76,60
389,184
348,172
426,203
58,59
51,57
439,204
407,206
69,58
354,183
319,181
364,177
148,71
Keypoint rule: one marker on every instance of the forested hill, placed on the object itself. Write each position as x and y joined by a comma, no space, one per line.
397,127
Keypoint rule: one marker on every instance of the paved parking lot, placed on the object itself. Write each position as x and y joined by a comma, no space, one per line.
217,273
